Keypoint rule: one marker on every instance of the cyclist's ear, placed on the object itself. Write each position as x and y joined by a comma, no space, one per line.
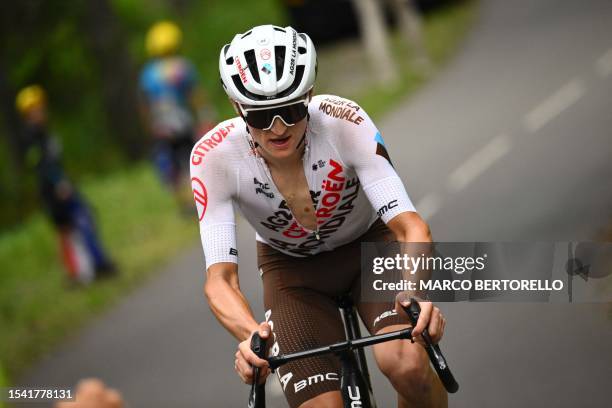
310,93
235,106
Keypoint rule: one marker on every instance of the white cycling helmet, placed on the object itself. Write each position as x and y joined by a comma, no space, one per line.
268,65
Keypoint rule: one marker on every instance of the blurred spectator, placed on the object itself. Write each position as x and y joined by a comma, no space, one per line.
172,105
92,393
82,252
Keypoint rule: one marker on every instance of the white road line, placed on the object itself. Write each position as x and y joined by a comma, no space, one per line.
478,163
429,205
603,66
554,105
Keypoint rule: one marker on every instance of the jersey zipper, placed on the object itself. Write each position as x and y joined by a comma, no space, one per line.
310,177
311,183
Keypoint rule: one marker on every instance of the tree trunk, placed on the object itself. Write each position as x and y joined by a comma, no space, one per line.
374,37
11,128
180,7
14,192
409,24
118,75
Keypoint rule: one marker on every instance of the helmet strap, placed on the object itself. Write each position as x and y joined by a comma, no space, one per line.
304,135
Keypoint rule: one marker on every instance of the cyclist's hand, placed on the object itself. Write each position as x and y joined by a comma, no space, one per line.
430,318
245,358
93,393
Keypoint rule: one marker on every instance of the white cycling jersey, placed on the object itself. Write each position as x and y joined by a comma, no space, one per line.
344,157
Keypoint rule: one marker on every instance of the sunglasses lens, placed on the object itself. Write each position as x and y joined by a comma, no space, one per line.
259,119
262,119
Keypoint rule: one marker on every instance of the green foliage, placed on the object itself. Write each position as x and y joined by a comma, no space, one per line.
50,49
3,381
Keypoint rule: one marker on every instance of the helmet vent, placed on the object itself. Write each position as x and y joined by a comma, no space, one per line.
251,62
229,61
238,83
246,34
299,73
279,29
302,50
279,51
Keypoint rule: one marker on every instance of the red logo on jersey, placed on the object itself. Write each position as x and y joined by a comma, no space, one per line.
332,187
213,139
200,196
295,231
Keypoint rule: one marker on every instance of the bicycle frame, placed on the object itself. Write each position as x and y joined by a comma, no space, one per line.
355,376
355,382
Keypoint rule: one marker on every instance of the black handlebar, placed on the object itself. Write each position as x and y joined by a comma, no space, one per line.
413,310
257,396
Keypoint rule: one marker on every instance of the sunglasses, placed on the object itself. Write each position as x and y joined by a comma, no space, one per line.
263,118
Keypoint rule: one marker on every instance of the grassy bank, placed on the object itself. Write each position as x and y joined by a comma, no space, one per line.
3,383
140,223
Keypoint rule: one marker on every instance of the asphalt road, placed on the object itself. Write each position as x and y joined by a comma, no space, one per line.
510,142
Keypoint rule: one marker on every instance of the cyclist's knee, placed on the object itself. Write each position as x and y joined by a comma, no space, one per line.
403,363
332,399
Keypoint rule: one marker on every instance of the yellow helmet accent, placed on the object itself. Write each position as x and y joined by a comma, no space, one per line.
163,38
30,97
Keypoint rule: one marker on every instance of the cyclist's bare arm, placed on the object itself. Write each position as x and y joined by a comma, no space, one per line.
231,308
228,304
409,227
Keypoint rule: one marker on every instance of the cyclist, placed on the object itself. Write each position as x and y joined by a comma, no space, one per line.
172,106
311,174
83,254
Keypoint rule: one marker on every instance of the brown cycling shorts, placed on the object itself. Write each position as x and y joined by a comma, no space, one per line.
299,298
